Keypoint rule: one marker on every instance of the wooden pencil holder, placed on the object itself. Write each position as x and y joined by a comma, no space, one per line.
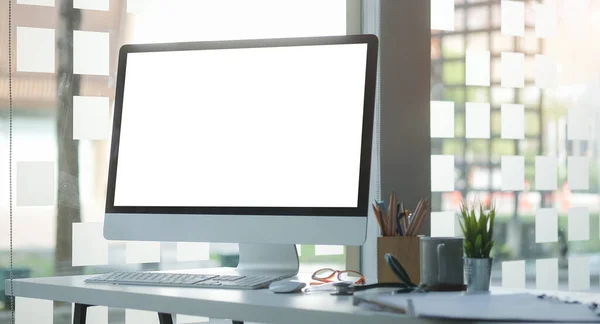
406,250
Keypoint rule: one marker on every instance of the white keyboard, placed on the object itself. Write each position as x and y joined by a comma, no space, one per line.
183,280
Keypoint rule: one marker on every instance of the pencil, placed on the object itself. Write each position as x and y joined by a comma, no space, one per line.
377,217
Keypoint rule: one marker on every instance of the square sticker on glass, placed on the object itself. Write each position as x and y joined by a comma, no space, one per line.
512,70
546,274
142,252
578,172
91,119
579,124
35,50
579,273
193,251
442,119
94,315
513,274
329,249
442,15
546,173
31,310
91,52
512,18
89,245
513,173
477,120
477,68
546,225
442,173
187,319
443,224
91,4
134,316
579,224
545,21
512,121
545,72
36,183
45,3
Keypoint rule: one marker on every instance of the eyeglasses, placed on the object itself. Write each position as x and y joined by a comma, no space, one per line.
326,275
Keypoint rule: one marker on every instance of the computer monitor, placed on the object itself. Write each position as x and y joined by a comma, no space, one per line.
250,141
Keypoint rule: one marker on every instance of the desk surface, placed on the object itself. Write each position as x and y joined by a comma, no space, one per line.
244,305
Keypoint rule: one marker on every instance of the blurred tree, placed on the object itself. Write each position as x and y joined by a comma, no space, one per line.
68,206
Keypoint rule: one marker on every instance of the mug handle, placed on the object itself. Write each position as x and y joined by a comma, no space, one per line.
441,260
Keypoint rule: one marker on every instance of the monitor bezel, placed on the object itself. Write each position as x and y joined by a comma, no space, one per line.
367,128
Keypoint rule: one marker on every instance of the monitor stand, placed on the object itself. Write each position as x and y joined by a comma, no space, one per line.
273,260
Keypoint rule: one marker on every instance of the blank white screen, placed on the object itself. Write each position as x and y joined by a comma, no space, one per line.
269,127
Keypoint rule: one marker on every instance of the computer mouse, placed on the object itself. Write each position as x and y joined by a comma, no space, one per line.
286,286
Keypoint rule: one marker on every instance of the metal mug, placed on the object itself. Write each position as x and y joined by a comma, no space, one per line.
442,261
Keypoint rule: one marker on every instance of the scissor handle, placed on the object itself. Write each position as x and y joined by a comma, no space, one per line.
398,270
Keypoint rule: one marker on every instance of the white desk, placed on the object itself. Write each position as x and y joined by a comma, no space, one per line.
260,306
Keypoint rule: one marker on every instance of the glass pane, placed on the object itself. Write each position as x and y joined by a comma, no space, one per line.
62,129
545,131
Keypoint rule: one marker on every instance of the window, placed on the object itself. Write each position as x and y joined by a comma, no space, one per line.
539,159
61,130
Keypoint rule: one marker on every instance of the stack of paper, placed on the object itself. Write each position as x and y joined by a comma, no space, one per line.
485,307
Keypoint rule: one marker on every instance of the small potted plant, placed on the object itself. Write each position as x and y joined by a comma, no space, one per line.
478,242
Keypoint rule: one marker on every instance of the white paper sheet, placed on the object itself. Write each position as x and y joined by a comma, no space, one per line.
513,173
477,68
477,120
512,121
442,173
512,70
36,184
442,119
442,15
546,225
546,173
512,18
546,274
509,307
35,50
